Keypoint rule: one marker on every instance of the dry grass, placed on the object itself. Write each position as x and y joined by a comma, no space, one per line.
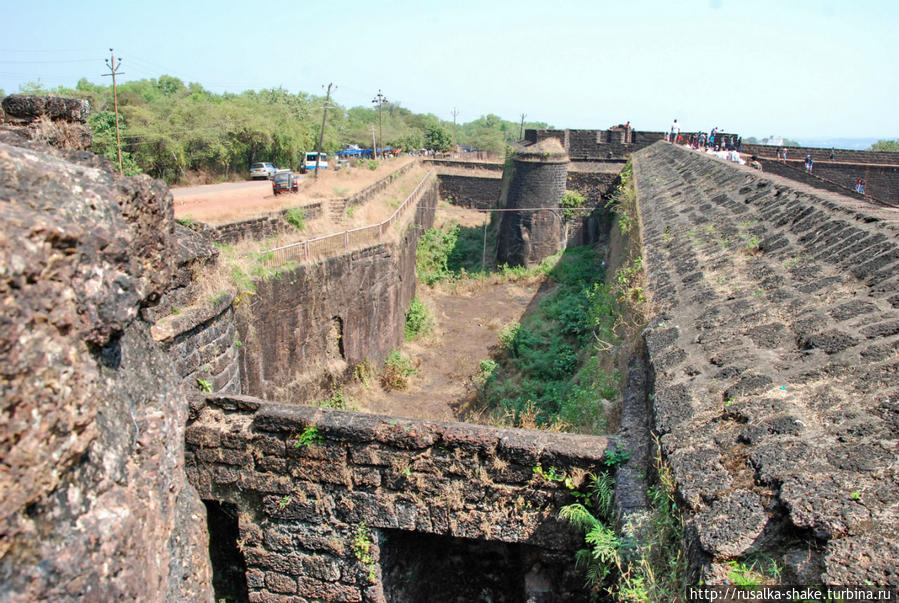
244,256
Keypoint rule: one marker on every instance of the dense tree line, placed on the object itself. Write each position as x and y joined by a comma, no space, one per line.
170,128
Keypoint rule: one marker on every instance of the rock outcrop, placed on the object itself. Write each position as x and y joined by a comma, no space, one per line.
48,119
95,503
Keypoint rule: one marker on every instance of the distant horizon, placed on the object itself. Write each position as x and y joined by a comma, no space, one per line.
794,69
859,143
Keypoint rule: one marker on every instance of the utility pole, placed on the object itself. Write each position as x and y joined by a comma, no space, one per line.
521,134
374,145
113,71
321,136
455,113
380,100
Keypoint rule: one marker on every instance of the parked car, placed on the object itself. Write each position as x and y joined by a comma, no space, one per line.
285,181
262,169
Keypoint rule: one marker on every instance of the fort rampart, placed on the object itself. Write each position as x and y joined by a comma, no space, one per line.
773,338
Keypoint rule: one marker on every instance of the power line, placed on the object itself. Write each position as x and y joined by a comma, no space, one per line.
50,62
113,70
321,136
379,100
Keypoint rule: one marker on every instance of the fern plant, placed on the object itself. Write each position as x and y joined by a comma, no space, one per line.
604,552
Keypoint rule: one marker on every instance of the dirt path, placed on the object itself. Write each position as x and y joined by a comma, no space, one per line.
466,332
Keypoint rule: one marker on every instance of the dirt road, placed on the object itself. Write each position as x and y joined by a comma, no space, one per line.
232,201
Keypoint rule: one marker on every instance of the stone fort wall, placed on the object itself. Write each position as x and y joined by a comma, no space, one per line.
308,328
300,500
772,342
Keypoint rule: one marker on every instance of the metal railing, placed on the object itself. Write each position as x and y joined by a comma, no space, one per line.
339,242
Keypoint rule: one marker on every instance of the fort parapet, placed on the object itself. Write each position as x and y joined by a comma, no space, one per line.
772,342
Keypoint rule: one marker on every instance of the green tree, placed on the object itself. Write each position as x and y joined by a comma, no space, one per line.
102,126
891,146
438,139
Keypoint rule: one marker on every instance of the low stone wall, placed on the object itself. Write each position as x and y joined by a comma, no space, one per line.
317,492
881,181
53,120
823,154
261,227
470,191
772,341
492,166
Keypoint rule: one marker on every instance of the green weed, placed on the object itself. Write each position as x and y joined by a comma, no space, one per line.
364,373
296,217
362,543
397,370
204,385
418,321
572,201
336,401
309,437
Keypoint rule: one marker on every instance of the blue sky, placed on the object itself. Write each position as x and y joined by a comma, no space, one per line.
796,68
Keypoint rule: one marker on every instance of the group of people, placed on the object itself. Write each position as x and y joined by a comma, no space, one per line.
714,140
860,186
706,141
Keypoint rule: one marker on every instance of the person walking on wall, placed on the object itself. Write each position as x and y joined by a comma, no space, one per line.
675,130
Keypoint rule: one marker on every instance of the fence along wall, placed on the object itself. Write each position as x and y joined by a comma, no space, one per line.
275,223
301,500
342,241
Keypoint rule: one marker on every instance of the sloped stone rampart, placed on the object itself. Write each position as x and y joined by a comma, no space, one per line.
301,500
773,342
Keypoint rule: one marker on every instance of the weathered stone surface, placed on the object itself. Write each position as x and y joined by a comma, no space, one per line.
455,479
95,503
47,120
730,526
775,372
31,107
